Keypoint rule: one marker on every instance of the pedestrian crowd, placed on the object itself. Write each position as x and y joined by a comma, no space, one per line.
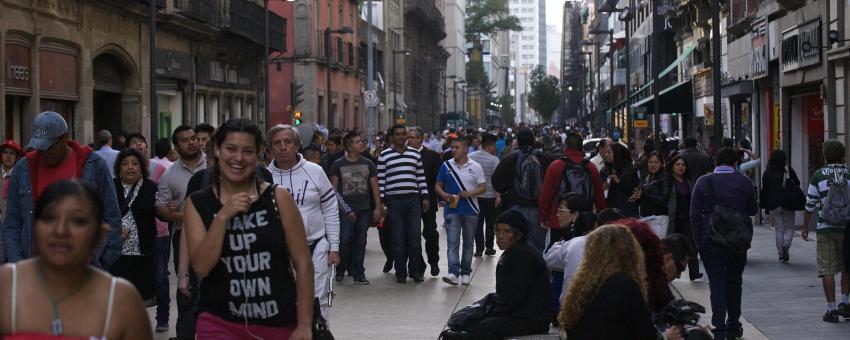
259,225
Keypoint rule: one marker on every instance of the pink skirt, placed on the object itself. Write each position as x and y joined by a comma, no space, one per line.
211,327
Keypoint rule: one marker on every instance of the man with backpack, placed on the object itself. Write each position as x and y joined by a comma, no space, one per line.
829,193
571,173
519,178
721,206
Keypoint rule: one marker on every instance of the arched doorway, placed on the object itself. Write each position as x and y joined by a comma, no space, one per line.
110,76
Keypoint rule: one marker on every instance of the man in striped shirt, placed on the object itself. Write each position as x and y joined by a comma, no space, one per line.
488,201
401,180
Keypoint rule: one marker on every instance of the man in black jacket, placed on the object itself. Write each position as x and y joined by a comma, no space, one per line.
431,163
698,162
522,285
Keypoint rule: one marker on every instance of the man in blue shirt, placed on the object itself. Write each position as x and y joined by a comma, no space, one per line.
459,181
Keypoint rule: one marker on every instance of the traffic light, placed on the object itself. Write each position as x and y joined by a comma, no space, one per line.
295,93
296,118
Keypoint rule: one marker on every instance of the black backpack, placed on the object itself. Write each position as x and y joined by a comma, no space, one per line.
727,227
576,178
529,175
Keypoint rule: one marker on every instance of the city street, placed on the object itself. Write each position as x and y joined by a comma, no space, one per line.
781,301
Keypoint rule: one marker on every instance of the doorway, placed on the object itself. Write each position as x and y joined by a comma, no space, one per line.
109,76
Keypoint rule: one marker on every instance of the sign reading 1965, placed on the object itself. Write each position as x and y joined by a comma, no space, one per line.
17,72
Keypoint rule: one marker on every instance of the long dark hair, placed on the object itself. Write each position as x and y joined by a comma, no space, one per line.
234,125
622,157
657,155
672,161
586,219
63,189
778,160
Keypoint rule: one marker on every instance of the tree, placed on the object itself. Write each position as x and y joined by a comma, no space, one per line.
487,17
545,93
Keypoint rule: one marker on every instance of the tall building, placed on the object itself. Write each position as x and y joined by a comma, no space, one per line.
496,59
553,51
455,44
528,49
424,28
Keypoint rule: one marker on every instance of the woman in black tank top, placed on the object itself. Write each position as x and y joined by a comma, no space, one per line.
243,233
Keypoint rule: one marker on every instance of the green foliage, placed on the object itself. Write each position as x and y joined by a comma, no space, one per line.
545,93
487,17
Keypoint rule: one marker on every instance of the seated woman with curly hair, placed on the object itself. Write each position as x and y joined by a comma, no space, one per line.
607,298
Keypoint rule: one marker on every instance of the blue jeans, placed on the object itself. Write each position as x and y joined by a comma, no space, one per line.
725,270
457,225
404,220
161,253
352,244
537,234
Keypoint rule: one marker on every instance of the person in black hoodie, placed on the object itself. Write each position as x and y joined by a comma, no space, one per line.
522,285
653,194
773,185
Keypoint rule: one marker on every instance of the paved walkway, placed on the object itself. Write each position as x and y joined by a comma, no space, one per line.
781,301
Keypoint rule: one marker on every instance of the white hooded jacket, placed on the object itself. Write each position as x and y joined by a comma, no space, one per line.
315,198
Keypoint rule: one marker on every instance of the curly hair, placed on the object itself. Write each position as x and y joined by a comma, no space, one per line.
653,255
610,249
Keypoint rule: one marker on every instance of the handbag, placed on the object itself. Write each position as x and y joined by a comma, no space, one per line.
793,198
728,228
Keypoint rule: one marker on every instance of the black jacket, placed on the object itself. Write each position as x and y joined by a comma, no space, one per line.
619,193
655,195
503,179
618,311
522,284
143,211
431,161
698,163
772,185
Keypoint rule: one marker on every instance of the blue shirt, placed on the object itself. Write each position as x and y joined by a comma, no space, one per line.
472,176
500,145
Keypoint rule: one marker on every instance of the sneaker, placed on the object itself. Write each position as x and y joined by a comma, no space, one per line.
361,281
161,327
388,266
450,279
490,252
831,316
478,253
465,279
435,269
785,255
844,310
735,333
339,278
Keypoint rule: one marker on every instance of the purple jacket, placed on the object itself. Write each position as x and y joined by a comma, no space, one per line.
734,190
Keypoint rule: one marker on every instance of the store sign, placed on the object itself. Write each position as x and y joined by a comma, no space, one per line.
793,56
759,48
227,73
173,64
17,65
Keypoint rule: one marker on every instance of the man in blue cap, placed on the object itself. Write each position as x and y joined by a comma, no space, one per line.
54,157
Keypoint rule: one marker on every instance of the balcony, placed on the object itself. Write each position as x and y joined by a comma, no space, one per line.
605,75
200,10
247,19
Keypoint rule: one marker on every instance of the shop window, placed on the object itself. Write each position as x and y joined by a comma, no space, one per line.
226,107
200,108
237,108
165,124
212,116
249,107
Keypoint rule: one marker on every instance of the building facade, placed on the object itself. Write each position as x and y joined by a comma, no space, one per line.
425,64
528,49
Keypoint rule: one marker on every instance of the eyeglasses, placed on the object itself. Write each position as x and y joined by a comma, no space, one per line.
566,211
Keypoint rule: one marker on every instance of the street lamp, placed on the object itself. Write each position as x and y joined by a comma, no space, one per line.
328,32
610,33
625,15
395,81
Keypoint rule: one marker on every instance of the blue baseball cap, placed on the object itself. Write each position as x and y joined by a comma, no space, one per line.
47,127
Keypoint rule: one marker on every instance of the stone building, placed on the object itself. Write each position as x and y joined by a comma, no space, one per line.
424,28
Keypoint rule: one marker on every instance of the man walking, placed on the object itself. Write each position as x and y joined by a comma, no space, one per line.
56,157
489,200
170,197
104,140
828,194
431,165
401,180
316,200
459,182
356,179
698,163
730,195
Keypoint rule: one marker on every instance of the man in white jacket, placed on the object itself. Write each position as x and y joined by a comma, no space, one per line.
316,201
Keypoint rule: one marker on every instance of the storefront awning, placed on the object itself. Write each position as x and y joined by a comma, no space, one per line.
677,98
685,53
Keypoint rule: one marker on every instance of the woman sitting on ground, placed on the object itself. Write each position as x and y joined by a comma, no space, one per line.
607,298
522,285
58,294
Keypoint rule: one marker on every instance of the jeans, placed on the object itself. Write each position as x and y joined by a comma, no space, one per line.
352,244
161,253
484,233
457,225
403,217
783,226
186,305
537,234
725,270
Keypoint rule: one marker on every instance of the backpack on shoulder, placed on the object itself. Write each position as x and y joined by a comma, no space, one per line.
727,227
576,179
835,209
529,175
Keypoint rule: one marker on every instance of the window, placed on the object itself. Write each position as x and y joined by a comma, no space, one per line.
485,46
200,108
351,54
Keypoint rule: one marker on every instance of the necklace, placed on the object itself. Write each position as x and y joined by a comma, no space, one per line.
57,320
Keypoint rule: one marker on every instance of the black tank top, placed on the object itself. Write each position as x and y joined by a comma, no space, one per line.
253,277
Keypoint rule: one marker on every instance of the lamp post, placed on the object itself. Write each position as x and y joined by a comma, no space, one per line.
395,81
328,32
626,16
715,70
584,83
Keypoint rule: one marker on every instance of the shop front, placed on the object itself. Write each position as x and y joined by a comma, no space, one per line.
173,70
18,84
227,88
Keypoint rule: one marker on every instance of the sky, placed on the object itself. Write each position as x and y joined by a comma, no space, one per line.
555,13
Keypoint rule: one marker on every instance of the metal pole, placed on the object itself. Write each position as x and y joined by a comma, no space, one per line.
629,127
454,97
395,89
370,70
328,84
267,111
656,68
715,73
152,74
611,80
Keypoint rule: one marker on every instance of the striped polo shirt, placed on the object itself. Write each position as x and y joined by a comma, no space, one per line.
818,190
401,173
